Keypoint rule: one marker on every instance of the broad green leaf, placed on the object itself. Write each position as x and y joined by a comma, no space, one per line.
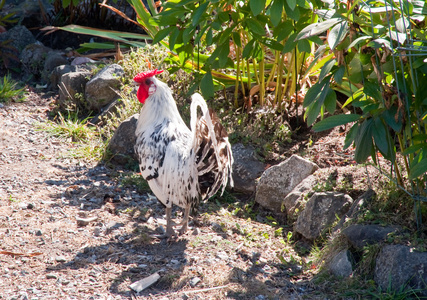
174,38
207,86
290,43
223,54
283,30
237,40
247,51
294,14
339,74
390,115
359,40
414,148
312,94
419,169
257,6
292,4
162,34
363,141
326,69
351,135
337,34
304,46
334,121
276,12
373,90
312,112
380,135
199,12
317,28
331,101
255,27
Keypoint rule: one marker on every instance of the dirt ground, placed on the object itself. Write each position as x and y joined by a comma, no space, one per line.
70,230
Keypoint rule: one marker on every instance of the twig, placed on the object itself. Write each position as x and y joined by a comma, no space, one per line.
204,290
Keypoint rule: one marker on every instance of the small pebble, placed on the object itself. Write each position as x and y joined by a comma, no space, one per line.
194,281
60,259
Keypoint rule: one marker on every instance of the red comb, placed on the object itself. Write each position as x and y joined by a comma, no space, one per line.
141,76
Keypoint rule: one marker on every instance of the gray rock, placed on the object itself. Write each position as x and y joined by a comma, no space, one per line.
341,264
297,197
71,90
20,37
398,266
246,168
121,145
33,57
56,74
100,90
355,209
360,235
53,60
194,281
278,181
320,213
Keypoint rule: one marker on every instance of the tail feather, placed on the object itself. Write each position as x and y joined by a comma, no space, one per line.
214,158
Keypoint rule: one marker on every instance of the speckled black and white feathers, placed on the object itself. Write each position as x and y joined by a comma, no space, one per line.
181,166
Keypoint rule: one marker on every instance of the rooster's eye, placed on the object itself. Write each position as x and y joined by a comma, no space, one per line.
147,81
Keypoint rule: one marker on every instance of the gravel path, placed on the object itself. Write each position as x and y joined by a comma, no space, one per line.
69,229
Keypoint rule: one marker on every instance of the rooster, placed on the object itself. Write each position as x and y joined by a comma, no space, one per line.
181,166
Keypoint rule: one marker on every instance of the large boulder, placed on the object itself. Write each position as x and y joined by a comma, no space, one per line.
278,181
101,89
33,57
19,36
399,266
297,198
71,90
361,235
341,264
121,145
320,212
246,168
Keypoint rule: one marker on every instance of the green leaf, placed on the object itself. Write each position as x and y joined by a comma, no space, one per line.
363,141
174,38
292,4
419,169
198,13
162,34
247,51
339,74
304,46
313,93
414,148
255,27
290,43
331,101
317,28
207,86
237,40
380,135
223,54
257,6
313,111
337,34
283,30
351,135
276,12
334,121
326,68
294,13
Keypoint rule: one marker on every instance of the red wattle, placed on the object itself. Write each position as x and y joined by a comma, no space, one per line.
142,94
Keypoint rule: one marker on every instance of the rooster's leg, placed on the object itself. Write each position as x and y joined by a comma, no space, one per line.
169,230
184,222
